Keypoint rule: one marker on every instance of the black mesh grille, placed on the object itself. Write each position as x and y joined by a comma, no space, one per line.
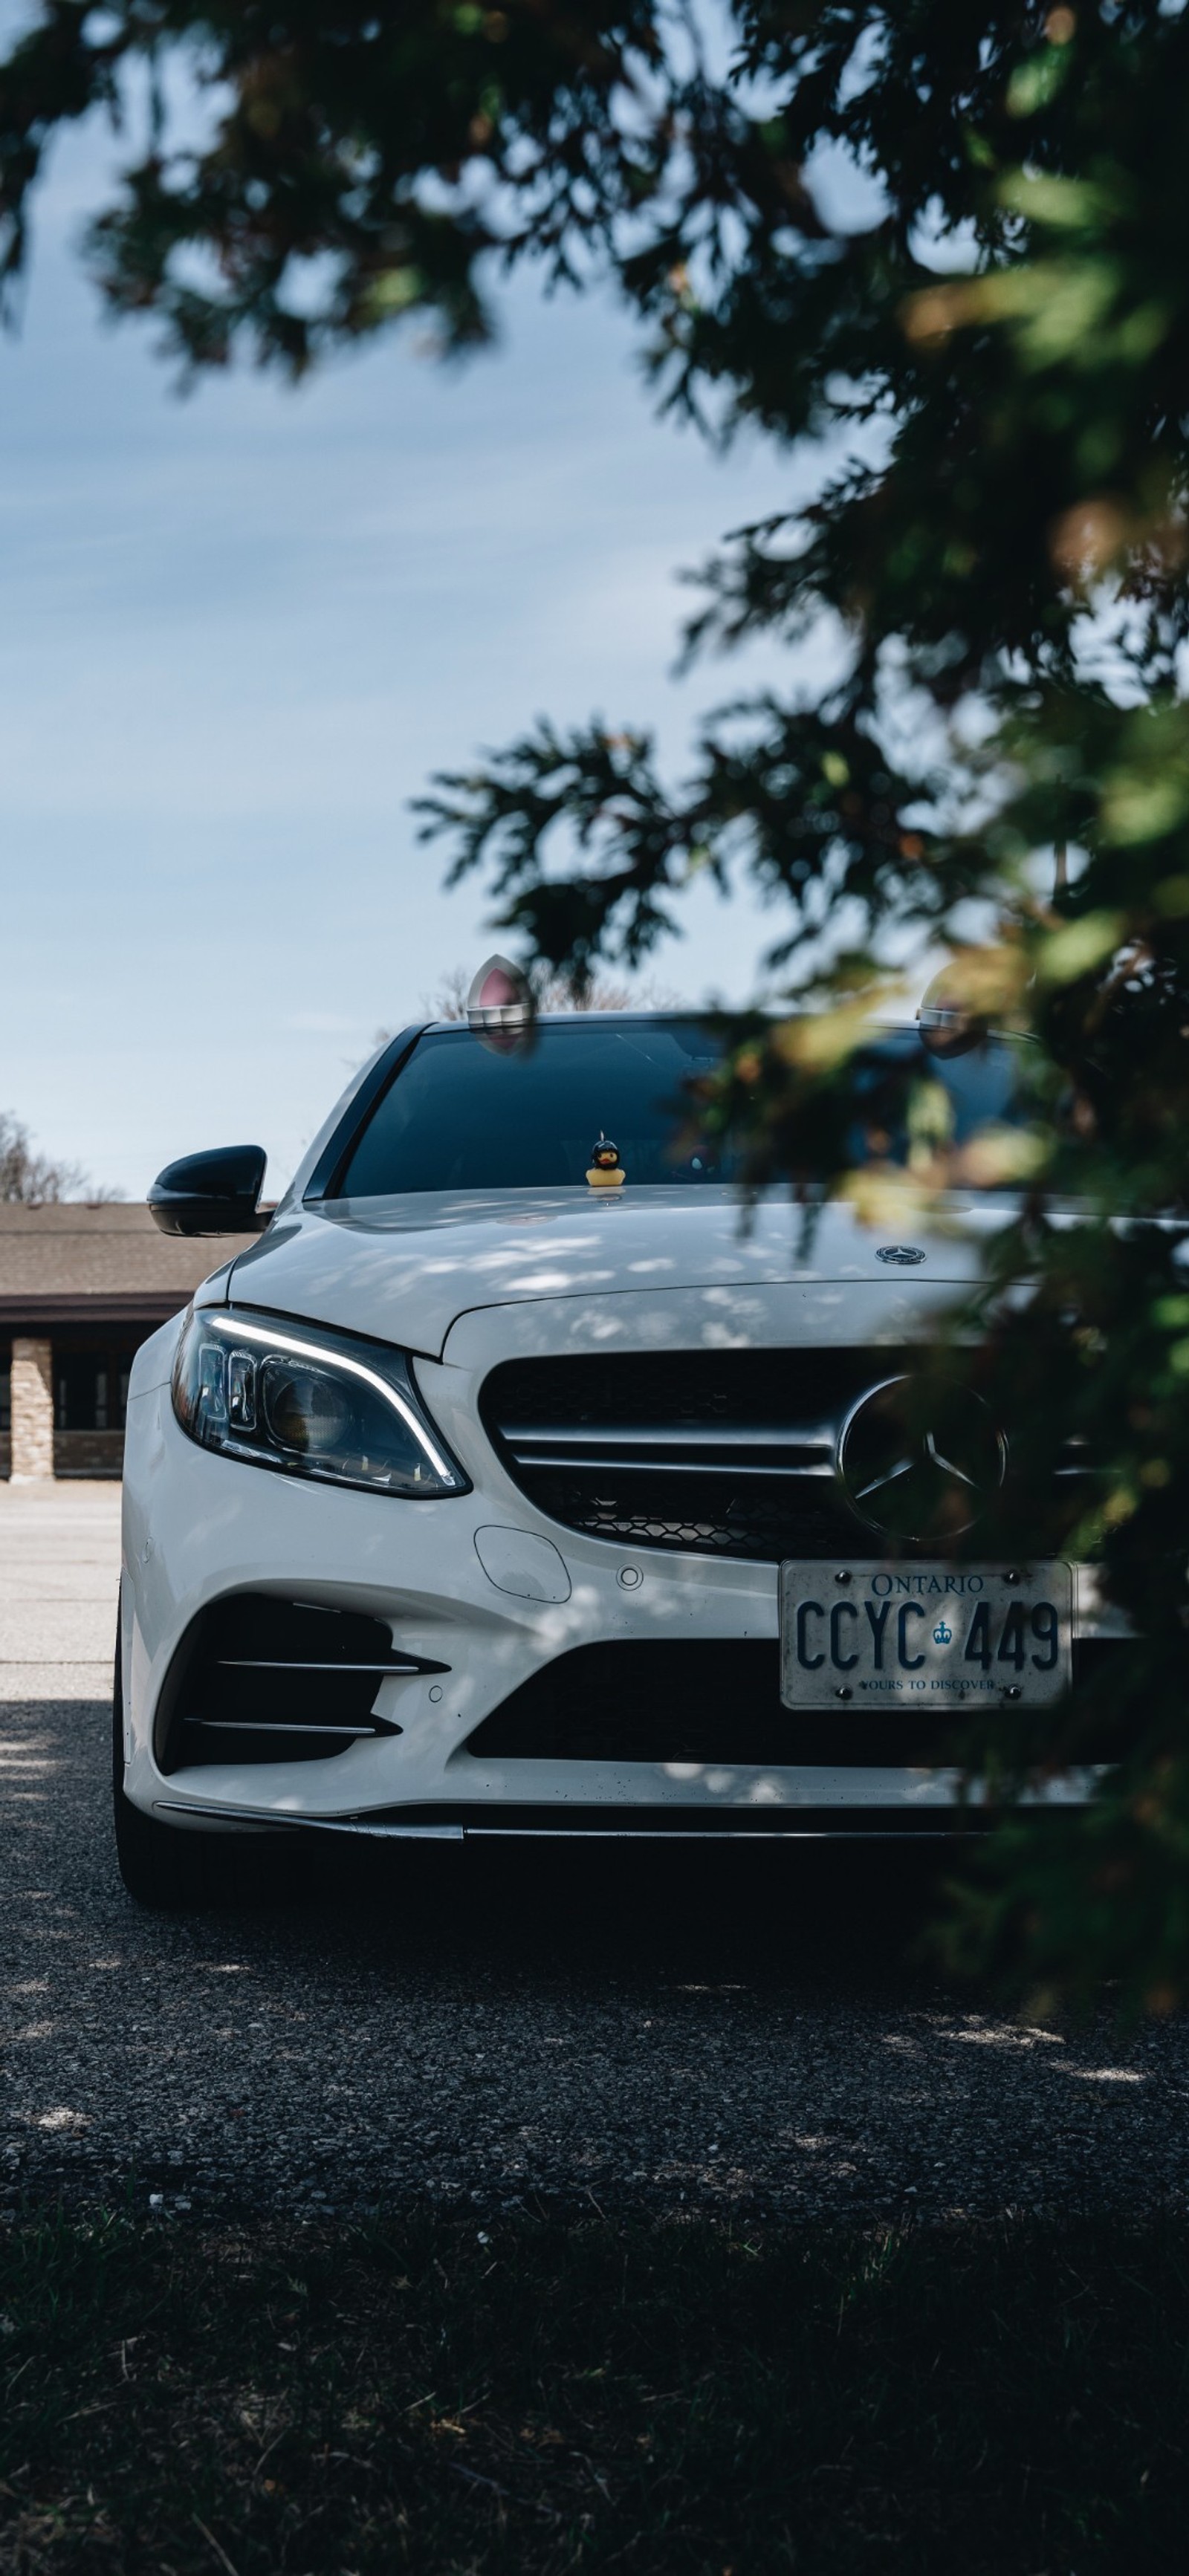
714,1700
773,1495
739,1520
748,1389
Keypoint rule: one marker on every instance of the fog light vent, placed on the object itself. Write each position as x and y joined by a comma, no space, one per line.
257,1679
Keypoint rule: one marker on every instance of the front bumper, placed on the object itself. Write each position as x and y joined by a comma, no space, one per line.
198,1527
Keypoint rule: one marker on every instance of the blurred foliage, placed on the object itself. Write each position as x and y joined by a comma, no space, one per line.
982,333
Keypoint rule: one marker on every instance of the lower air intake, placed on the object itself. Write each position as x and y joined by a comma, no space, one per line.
716,1701
258,1679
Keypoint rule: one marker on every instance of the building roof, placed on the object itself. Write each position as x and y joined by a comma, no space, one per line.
84,1262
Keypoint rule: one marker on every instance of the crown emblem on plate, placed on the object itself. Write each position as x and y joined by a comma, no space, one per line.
943,1636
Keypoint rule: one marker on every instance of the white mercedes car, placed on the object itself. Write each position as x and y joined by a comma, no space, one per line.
509,1484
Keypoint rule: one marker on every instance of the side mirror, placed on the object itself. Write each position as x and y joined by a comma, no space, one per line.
211,1193
947,1018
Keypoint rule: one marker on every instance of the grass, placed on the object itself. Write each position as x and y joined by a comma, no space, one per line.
535,2395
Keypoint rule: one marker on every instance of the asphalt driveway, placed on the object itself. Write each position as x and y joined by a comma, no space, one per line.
726,2028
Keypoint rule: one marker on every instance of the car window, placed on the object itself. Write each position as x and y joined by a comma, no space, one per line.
912,1105
460,1116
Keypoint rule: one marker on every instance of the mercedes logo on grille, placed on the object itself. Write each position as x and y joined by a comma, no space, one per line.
905,1255
920,1483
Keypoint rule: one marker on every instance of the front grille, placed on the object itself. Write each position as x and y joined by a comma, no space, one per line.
257,1679
730,1523
722,1453
708,1700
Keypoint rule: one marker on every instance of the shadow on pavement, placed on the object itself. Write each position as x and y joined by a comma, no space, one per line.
811,1911
750,2025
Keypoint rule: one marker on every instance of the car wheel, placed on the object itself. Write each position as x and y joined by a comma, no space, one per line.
175,1871
154,1862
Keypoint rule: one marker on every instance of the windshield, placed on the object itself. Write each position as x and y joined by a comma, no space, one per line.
460,1117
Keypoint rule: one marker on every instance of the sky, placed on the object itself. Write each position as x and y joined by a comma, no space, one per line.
238,632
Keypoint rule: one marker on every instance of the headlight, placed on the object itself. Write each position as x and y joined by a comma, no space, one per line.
309,1403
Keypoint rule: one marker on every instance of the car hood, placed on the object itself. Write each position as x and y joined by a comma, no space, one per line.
406,1269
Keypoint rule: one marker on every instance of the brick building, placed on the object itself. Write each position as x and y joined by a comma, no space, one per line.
81,1287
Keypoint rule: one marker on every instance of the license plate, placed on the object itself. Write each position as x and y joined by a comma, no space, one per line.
925,1635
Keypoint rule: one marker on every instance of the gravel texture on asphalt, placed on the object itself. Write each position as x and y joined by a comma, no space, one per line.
697,2029
703,2028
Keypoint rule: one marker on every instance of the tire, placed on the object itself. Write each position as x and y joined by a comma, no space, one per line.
153,1868
174,1871
155,1871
